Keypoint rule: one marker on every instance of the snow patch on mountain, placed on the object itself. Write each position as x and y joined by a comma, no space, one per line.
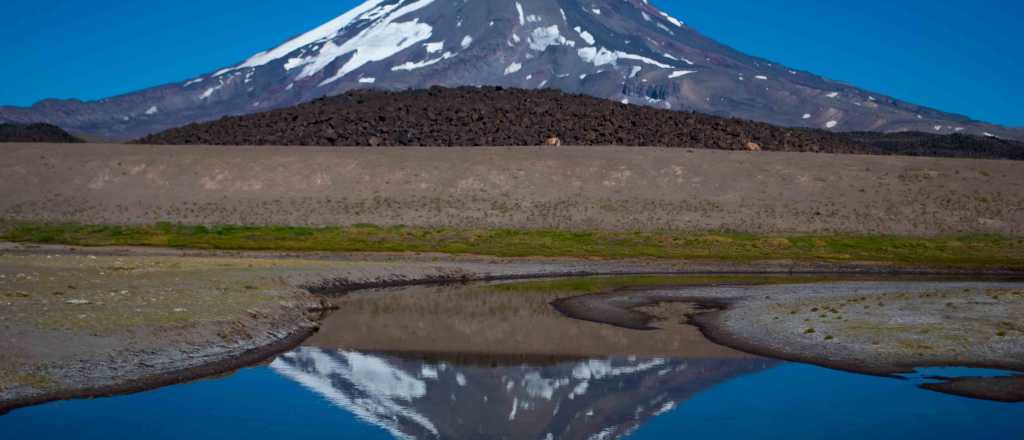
665,408
329,30
413,65
683,59
295,63
434,47
602,56
382,38
672,20
586,36
380,41
209,92
543,37
513,68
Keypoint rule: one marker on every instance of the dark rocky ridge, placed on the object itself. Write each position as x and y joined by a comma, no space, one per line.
35,133
470,116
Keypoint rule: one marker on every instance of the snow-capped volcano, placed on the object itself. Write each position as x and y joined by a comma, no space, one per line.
625,50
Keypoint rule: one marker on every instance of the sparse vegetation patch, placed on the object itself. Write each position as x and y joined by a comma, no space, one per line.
970,252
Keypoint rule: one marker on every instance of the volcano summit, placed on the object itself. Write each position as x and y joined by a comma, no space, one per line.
623,50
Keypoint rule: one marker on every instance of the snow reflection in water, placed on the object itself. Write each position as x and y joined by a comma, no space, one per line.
413,398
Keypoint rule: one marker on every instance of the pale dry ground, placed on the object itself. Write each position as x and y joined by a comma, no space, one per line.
876,327
597,188
85,325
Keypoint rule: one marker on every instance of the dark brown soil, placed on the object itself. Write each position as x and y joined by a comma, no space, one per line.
470,116
35,133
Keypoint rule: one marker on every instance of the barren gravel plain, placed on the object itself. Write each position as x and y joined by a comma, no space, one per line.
593,188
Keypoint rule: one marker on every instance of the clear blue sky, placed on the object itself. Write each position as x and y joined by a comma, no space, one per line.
959,56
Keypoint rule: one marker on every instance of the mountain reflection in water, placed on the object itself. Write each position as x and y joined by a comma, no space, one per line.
412,398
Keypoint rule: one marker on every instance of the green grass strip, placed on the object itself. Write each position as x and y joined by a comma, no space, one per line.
968,251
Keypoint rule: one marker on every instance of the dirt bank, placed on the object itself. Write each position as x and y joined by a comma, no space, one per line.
612,188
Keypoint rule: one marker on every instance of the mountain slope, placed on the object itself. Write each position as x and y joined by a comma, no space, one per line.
625,50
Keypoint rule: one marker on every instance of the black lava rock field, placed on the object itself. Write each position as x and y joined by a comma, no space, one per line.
35,133
495,116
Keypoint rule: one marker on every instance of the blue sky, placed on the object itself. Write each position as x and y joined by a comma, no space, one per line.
958,56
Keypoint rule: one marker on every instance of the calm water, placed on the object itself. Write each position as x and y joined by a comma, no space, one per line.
315,393
699,389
